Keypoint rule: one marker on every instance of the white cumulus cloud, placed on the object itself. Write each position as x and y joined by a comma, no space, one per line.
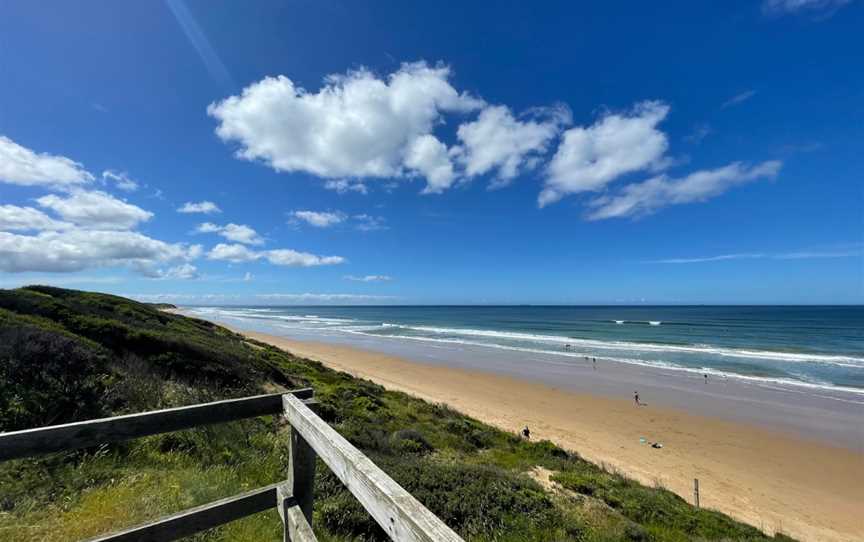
589,158
499,141
239,233
646,197
357,125
203,207
184,271
283,256
293,258
429,156
319,219
95,210
343,186
120,179
22,166
233,253
14,218
80,249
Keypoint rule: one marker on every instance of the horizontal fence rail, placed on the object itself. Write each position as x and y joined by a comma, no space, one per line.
76,435
200,518
401,516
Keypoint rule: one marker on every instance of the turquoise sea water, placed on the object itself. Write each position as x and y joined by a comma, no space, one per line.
809,347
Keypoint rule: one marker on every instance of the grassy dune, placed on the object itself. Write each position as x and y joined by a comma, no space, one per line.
67,355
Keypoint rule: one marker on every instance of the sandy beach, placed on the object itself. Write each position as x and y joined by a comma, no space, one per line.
773,480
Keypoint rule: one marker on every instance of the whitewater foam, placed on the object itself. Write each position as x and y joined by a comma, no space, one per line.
844,361
631,361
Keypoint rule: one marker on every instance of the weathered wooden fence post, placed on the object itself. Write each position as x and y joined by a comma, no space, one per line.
696,492
301,475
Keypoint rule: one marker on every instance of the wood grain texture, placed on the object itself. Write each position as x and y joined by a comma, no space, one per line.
75,435
301,473
198,519
295,526
401,516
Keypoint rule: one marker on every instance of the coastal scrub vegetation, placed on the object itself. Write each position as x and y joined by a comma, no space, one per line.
67,355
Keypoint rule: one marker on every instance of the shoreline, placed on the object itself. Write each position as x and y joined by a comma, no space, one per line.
774,480
828,417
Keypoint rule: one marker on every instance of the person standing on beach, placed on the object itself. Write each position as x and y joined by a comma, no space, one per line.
526,433
636,398
706,377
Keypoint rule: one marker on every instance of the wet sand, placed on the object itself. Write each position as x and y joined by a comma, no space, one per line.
773,480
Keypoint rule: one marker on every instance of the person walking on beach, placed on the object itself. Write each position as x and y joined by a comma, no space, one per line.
636,398
526,433
706,377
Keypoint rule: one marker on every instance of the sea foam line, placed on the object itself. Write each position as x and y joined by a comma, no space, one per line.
631,361
843,361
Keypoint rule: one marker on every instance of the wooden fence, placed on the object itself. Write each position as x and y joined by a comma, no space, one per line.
401,516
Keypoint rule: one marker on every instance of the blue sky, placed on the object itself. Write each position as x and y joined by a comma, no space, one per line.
384,152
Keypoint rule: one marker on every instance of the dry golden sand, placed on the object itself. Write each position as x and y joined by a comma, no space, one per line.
774,481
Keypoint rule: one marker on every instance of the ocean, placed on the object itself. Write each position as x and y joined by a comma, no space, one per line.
808,347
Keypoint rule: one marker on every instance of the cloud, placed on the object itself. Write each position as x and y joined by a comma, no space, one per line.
588,158
369,278
357,125
498,141
247,277
95,210
22,166
323,298
120,179
343,186
284,256
738,98
79,249
239,233
429,156
797,255
204,207
17,281
233,253
366,222
266,298
14,218
319,219
825,8
185,271
699,133
292,258
639,199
